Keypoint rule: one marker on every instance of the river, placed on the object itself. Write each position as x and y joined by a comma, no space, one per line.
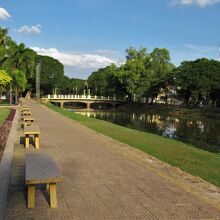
202,133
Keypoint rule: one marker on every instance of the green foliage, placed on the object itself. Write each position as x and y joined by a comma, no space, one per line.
17,60
76,86
5,79
72,85
97,81
18,57
143,74
52,73
3,114
19,80
106,82
198,80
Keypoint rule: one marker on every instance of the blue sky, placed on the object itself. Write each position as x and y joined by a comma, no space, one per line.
88,34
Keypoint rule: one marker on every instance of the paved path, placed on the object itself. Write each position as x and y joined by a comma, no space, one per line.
100,182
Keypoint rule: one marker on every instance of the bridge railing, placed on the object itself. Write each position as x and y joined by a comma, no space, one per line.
88,97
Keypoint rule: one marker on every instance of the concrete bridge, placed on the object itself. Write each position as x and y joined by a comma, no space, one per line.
85,99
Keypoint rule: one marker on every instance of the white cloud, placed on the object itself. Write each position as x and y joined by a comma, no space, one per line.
200,3
79,60
201,48
4,15
30,29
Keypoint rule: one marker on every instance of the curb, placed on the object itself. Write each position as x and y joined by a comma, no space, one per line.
5,165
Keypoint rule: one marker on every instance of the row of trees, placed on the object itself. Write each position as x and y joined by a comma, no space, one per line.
145,76
17,70
16,64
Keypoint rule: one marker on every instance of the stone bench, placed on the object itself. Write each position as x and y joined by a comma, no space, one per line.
32,131
26,113
41,169
25,109
27,120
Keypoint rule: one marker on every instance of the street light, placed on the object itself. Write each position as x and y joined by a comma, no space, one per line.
38,70
87,89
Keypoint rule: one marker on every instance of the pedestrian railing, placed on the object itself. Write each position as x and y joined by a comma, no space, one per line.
82,97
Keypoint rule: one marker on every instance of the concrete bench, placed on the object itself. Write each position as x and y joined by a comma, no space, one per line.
25,109
32,131
27,120
26,113
41,169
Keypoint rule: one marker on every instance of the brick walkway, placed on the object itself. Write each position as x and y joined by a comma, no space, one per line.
99,181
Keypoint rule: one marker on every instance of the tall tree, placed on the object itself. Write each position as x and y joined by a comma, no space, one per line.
52,73
161,71
19,83
197,80
5,80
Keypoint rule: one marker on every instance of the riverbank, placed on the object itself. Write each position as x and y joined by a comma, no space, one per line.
189,159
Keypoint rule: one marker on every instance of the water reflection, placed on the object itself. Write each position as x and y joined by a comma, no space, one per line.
202,133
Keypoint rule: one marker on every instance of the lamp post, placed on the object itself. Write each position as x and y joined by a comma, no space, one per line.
38,70
87,90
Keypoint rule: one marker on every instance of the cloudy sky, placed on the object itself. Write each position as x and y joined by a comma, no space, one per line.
88,34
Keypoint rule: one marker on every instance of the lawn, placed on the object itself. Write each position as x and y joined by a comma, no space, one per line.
188,158
3,114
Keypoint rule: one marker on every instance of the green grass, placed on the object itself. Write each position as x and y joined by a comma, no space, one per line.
3,114
189,159
4,103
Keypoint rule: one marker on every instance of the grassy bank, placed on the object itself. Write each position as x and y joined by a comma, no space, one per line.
3,114
192,160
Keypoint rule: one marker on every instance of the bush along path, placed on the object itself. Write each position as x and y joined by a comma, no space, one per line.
5,129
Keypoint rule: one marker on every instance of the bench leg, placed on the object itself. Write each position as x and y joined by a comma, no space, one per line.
36,140
27,140
53,195
31,196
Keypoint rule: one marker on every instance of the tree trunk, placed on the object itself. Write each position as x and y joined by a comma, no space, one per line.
16,96
10,95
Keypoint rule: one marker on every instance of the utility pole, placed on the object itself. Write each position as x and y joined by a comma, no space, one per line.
38,70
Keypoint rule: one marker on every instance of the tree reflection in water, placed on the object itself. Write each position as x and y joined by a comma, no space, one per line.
203,133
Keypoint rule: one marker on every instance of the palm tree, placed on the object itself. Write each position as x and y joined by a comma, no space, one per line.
3,41
20,57
19,62
19,83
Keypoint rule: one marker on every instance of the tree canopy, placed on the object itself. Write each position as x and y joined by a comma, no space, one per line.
5,79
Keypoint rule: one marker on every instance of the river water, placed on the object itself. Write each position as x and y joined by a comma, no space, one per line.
202,133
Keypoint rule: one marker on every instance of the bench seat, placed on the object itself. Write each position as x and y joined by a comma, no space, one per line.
27,120
32,130
41,169
25,113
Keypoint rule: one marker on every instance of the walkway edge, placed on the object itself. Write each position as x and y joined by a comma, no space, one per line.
5,165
